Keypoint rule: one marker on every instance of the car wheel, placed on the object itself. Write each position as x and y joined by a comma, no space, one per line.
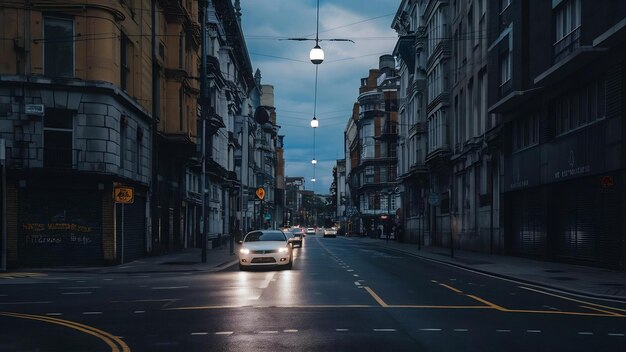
289,265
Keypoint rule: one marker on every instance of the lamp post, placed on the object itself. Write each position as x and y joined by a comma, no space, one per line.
4,205
204,105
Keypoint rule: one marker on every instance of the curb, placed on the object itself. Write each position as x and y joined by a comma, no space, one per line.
508,277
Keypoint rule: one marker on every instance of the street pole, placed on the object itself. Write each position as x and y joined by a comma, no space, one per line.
452,222
122,254
4,205
203,116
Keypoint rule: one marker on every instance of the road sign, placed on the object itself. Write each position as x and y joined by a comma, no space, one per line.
124,195
260,192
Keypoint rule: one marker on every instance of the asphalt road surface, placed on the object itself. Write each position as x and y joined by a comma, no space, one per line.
342,295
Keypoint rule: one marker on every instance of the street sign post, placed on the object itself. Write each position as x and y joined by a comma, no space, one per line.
123,195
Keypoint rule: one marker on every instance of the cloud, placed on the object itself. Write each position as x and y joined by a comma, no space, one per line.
285,65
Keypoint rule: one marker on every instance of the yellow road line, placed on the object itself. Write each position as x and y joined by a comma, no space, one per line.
555,312
572,299
283,306
604,311
112,341
437,307
376,297
489,304
451,288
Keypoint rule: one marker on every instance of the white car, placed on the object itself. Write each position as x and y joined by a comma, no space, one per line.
330,232
265,248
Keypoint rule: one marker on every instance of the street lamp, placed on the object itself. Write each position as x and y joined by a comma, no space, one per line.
315,122
317,54
313,161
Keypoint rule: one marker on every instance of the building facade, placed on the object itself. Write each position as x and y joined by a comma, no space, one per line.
374,166
558,87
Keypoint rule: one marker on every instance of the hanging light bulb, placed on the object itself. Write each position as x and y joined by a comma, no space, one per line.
314,161
313,180
315,122
316,55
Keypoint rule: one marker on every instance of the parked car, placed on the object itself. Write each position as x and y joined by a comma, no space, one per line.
265,248
330,232
297,236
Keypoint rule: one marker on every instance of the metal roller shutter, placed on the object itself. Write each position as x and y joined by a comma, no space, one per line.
577,231
59,227
134,229
529,224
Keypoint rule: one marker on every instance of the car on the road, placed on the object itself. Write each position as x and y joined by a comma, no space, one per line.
296,236
330,232
265,248
310,231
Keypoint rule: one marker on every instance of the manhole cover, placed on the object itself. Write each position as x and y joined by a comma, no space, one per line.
179,263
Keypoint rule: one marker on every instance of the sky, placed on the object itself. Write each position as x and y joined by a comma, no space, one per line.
285,65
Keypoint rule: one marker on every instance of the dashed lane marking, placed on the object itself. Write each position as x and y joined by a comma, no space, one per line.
199,333
224,333
342,330
533,331
585,333
290,330
430,329
461,330
77,293
92,313
384,330
614,334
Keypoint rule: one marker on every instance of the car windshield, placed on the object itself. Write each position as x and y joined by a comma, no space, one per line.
265,236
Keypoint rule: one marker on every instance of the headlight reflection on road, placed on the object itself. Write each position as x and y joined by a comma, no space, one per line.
287,292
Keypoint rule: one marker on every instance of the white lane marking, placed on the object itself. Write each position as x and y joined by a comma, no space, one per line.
54,314
585,333
614,334
76,293
139,311
355,275
357,283
384,330
169,287
342,330
503,330
430,329
268,332
199,333
91,313
350,270
533,331
224,333
290,330
79,288
461,330
268,279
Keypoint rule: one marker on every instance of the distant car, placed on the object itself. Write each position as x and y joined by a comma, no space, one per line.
297,235
310,231
330,232
265,248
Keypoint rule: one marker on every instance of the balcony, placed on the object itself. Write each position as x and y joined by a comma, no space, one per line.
566,45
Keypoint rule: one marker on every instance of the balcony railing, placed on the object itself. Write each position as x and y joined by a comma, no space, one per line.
566,45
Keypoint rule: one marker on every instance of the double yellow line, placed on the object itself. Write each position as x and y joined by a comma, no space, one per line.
114,342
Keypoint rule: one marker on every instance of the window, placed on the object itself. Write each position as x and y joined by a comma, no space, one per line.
581,106
58,48
526,131
57,138
181,45
567,28
124,61
369,175
504,4
505,67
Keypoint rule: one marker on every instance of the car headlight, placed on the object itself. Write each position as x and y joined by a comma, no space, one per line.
283,249
244,251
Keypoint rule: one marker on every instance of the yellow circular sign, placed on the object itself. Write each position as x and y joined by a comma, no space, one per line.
260,192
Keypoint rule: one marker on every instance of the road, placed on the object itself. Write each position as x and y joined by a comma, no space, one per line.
342,295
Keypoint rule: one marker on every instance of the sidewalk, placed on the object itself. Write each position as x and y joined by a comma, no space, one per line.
184,260
591,281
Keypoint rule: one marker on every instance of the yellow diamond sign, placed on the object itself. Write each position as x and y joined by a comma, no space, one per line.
260,192
124,194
